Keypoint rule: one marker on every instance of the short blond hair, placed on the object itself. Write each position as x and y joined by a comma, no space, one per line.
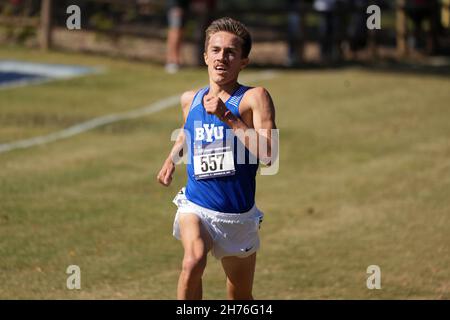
232,26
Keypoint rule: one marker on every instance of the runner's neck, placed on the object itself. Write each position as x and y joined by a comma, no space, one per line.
223,92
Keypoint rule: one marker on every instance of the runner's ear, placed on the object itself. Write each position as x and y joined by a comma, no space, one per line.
244,62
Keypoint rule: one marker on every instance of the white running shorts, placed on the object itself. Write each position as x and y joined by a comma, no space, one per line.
233,234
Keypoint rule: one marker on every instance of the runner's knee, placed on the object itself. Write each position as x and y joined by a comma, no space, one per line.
194,265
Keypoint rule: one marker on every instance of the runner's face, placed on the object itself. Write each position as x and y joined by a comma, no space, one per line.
224,57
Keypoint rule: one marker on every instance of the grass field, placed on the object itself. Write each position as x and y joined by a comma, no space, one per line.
364,179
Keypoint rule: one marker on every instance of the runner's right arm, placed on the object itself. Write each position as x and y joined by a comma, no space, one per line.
165,174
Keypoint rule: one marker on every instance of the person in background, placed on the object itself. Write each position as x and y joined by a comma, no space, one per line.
357,30
330,28
177,10
420,11
294,36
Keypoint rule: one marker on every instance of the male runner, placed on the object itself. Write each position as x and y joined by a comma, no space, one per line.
216,210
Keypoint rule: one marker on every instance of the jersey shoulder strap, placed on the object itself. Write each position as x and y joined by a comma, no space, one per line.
198,98
237,96
235,99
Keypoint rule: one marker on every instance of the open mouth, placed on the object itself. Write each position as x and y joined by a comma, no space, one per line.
220,68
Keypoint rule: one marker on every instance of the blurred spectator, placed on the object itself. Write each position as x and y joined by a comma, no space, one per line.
294,36
330,28
357,29
420,11
178,11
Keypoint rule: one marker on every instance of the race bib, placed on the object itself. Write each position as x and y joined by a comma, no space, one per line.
213,163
